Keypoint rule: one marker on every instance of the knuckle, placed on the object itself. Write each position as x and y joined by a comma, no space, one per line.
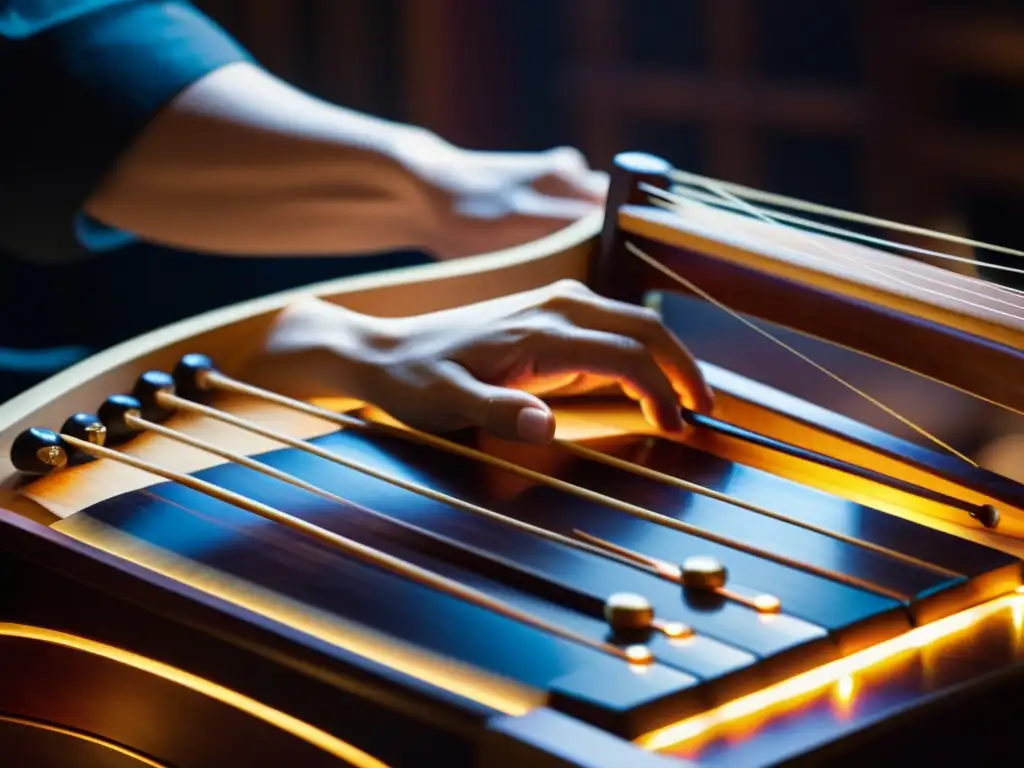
423,378
565,295
570,287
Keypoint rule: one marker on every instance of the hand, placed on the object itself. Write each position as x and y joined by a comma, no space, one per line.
478,202
484,365
243,163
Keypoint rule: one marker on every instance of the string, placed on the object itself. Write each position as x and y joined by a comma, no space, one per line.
685,177
834,376
364,553
215,380
943,281
853,261
681,194
177,403
715,188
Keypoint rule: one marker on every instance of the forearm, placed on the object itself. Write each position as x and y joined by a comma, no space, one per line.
242,163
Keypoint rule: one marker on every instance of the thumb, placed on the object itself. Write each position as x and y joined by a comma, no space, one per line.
510,414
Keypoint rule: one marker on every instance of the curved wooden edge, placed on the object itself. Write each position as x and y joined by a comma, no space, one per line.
138,666
233,334
76,748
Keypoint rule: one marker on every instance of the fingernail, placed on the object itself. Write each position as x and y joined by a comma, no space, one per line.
535,425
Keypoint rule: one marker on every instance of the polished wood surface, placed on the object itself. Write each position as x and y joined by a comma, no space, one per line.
354,654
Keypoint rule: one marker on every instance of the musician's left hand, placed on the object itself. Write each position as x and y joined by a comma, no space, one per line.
485,364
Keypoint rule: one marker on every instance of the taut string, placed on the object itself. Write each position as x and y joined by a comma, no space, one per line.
685,177
681,195
368,555
771,337
214,380
673,629
856,263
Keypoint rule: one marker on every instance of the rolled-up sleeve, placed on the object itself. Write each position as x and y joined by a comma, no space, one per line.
73,97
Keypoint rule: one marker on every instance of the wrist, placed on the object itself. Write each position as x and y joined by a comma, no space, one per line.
417,149
427,162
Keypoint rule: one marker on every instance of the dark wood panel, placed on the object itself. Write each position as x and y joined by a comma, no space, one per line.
551,508
455,70
544,507
737,652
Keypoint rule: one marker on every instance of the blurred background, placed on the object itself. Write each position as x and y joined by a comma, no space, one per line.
908,109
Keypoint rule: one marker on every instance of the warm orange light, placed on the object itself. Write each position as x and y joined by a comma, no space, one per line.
844,688
843,695
764,702
308,733
767,604
140,758
676,629
639,654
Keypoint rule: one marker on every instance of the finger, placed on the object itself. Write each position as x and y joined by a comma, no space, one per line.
530,165
506,413
559,172
645,326
619,357
531,203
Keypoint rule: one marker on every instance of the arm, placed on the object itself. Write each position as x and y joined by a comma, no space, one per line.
244,163
146,118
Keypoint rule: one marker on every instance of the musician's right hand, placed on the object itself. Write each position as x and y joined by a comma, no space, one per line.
487,365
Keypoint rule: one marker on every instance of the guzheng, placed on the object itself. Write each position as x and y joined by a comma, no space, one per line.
200,572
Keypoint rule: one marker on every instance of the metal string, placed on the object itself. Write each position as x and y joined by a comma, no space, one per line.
768,335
